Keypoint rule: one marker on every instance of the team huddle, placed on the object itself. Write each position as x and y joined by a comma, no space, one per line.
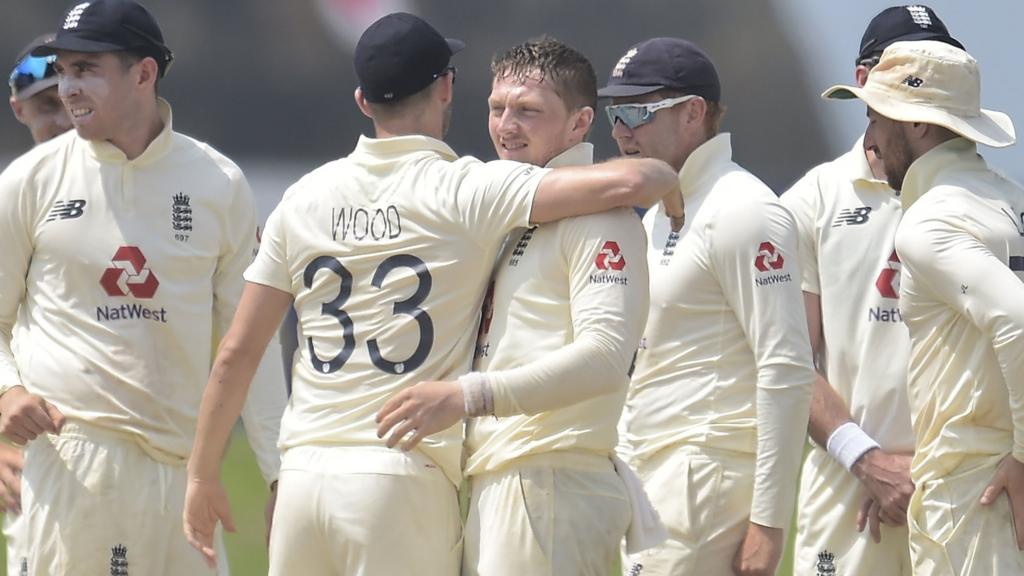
606,387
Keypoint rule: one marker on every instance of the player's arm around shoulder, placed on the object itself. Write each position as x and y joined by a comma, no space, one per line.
580,190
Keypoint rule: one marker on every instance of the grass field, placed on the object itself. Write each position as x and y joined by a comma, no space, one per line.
247,552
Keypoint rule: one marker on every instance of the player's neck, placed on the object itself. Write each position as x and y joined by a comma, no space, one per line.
407,127
137,134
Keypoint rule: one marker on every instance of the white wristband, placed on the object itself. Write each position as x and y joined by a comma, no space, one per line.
476,394
848,443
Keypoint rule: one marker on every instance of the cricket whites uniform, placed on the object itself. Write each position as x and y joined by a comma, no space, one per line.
846,222
717,408
962,246
570,300
124,270
388,253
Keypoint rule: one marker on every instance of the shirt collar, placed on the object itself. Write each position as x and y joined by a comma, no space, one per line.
399,145
106,152
581,154
704,162
924,172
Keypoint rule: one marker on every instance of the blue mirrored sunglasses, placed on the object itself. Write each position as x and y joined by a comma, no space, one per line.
30,70
636,115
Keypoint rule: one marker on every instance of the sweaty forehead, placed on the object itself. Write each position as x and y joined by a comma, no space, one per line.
508,88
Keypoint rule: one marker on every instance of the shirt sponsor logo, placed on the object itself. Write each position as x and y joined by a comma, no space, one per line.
483,346
66,210
769,259
611,261
520,249
852,217
129,275
888,281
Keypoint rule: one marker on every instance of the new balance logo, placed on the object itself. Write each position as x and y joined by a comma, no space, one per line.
920,16
65,210
912,81
636,569
74,16
852,216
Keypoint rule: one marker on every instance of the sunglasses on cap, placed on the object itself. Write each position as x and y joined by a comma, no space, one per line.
636,115
30,70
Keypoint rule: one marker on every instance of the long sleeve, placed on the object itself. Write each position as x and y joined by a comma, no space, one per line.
964,273
15,257
608,293
754,253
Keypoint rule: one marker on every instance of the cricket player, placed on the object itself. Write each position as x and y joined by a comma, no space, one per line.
124,247
717,407
386,254
858,471
35,104
561,324
961,244
34,98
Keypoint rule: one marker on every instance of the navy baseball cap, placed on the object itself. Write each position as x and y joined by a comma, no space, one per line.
903,24
399,55
661,63
109,26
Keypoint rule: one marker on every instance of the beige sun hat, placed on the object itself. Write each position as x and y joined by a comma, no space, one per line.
935,83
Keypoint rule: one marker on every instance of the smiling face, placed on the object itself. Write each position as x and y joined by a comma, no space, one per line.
100,92
529,122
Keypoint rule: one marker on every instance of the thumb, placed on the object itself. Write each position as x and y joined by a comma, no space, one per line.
224,513
992,491
56,416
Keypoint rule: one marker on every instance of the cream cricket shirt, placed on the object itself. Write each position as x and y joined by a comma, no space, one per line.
962,246
846,222
126,269
578,288
388,253
725,361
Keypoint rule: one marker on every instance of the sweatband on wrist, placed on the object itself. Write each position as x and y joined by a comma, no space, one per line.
476,393
848,443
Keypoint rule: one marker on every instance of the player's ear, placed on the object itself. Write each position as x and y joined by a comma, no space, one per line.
584,118
16,108
364,106
861,74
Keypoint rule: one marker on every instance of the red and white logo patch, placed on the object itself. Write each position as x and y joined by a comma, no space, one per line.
129,275
768,258
888,282
610,257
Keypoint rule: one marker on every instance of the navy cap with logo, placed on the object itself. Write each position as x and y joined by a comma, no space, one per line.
661,63
110,26
399,55
902,24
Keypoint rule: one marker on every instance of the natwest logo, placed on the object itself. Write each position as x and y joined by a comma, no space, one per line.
768,258
888,282
128,275
610,257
